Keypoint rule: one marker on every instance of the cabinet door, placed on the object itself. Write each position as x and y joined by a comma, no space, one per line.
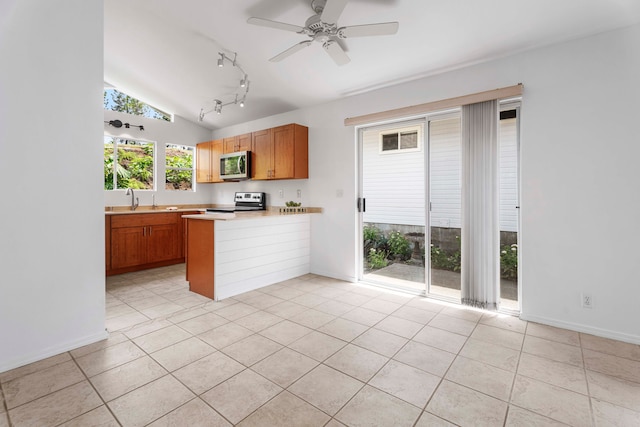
262,155
237,143
162,242
230,145
243,142
217,148
128,247
203,161
283,152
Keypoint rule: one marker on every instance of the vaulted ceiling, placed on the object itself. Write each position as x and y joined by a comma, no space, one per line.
165,52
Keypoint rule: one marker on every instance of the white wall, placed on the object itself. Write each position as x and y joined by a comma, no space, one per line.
180,132
575,168
52,217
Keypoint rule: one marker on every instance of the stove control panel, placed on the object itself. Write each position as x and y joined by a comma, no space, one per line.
251,197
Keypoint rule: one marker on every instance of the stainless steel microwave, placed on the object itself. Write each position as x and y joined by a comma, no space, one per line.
235,166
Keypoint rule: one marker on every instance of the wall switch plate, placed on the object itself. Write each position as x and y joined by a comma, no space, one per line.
281,194
587,300
299,194
339,193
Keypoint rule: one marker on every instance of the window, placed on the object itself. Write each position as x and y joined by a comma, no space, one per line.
116,100
128,163
400,140
179,168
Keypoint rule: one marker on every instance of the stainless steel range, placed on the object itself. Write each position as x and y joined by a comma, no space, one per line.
244,202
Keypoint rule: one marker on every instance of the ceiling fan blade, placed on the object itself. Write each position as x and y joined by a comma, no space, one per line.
336,53
382,29
275,24
332,11
293,49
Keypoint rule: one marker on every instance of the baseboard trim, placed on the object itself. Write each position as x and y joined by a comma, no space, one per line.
332,275
53,351
577,327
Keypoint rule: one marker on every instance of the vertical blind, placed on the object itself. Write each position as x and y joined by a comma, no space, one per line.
480,206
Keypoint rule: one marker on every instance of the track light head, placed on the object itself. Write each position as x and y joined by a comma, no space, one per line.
221,60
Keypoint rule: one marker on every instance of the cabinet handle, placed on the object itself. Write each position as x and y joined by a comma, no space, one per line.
149,230
144,231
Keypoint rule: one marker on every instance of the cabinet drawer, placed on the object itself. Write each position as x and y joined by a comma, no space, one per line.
139,220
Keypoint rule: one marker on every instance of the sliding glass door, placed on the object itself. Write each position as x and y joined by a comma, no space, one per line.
508,138
445,196
413,173
392,204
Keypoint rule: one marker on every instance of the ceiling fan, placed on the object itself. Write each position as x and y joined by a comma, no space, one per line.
323,28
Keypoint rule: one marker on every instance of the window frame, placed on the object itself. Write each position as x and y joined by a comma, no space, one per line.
192,169
399,131
115,161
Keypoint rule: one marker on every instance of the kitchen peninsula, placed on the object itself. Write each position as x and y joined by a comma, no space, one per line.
231,253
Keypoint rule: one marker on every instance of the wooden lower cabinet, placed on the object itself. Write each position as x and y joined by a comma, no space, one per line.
128,247
141,241
200,257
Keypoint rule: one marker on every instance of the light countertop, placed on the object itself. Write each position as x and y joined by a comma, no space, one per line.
249,215
271,210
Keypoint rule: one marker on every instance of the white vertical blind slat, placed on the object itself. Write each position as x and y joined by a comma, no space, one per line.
480,205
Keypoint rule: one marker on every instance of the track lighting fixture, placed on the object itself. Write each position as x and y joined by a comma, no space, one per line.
244,85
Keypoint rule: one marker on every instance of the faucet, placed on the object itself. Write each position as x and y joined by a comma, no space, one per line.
133,205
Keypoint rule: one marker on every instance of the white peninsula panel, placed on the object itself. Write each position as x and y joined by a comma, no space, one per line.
257,252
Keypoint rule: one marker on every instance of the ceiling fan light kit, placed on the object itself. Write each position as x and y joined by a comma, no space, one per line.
323,28
239,98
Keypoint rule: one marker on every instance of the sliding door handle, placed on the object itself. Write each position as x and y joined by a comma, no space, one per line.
362,204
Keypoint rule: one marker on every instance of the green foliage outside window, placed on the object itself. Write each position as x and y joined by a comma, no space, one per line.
119,101
399,246
179,168
133,166
509,262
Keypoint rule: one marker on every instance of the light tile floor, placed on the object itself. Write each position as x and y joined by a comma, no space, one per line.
314,351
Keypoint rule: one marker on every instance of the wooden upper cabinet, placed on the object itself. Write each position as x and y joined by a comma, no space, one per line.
261,155
237,143
203,161
208,161
281,153
277,153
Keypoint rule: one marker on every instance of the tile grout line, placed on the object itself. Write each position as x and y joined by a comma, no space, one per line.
95,391
586,380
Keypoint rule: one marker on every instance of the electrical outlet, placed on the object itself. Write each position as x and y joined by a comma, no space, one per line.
281,194
339,193
587,300
299,194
